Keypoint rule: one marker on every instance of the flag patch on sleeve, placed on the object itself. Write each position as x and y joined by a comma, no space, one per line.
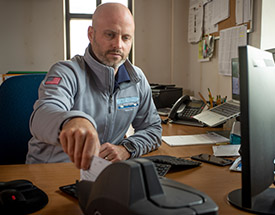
53,80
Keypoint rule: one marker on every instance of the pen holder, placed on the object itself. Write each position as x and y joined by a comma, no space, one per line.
215,103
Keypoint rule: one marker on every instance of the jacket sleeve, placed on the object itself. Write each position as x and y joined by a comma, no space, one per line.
54,104
147,123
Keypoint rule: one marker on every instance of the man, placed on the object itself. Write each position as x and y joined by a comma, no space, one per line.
87,104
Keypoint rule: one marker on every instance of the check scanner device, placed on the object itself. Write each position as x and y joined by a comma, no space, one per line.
133,187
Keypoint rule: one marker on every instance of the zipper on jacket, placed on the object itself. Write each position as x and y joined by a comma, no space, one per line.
110,104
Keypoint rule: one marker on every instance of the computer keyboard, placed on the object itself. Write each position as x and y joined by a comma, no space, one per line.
176,163
69,189
226,109
163,163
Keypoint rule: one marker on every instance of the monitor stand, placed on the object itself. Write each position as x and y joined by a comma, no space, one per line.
263,203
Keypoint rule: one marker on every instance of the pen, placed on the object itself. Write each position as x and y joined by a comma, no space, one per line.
203,99
211,101
210,98
225,99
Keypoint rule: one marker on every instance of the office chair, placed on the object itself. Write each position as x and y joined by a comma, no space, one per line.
17,96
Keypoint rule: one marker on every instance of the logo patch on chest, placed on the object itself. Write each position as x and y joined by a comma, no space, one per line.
128,102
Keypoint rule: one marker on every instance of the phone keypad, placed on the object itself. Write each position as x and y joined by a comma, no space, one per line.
189,112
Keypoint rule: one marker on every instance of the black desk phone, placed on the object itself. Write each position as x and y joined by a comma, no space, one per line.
184,109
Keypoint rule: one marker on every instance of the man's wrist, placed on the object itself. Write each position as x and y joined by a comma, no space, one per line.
129,148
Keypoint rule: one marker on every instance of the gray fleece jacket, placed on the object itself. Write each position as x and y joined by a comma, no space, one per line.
83,87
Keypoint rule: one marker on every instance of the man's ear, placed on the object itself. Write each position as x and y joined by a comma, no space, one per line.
90,33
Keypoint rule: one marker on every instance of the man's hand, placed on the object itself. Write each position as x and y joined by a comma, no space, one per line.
113,153
79,139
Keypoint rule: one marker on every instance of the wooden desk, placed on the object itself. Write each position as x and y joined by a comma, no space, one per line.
213,180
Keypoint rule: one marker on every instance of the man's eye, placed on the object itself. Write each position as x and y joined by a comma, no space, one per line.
109,35
126,38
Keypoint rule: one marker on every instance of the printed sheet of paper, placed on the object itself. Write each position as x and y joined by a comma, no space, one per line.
195,21
221,11
230,40
243,11
97,166
209,27
182,140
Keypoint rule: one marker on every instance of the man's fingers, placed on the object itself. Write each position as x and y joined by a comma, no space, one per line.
79,137
79,140
63,141
70,145
103,152
110,152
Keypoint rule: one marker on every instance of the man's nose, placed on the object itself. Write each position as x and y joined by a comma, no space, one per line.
117,42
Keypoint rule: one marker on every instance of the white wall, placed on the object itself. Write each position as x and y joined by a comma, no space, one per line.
153,39
161,47
268,19
31,37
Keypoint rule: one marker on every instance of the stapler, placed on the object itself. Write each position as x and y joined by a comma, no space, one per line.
133,187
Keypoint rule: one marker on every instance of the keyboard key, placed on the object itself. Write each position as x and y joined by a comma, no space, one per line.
162,169
226,109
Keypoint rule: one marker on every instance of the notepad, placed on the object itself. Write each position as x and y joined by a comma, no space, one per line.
226,150
182,140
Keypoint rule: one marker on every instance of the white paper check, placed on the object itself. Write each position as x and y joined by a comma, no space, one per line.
97,165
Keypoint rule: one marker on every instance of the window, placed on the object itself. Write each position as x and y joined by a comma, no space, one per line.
78,18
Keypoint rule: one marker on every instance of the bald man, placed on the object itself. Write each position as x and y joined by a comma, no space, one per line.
87,104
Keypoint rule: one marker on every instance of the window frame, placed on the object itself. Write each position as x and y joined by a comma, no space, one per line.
69,16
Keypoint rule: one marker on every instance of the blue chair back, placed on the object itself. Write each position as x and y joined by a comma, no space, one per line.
17,97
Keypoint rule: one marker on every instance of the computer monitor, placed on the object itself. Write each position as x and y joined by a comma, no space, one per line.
257,100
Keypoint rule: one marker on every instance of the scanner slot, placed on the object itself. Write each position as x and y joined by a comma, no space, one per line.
151,181
158,194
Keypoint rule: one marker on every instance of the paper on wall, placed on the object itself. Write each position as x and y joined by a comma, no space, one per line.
195,21
230,40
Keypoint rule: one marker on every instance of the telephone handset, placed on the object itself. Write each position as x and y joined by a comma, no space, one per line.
184,109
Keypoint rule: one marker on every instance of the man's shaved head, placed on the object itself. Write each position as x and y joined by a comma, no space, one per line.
111,34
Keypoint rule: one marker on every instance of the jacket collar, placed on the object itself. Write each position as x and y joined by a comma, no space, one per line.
104,75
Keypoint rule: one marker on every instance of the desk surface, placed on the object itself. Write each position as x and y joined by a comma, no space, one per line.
213,180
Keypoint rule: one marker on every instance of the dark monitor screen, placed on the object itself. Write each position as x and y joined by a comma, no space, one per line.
257,102
235,79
